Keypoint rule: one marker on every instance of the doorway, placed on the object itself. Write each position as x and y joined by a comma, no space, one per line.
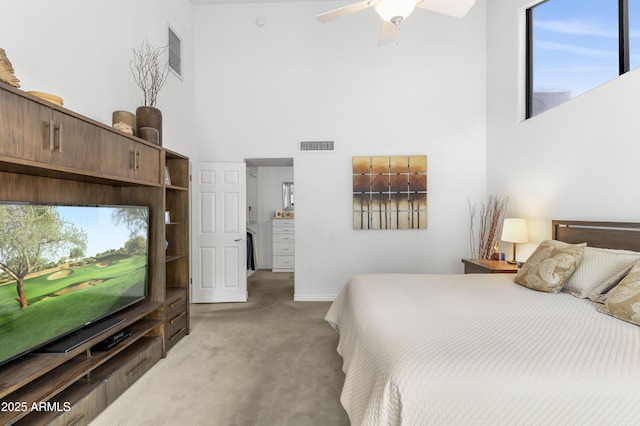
265,198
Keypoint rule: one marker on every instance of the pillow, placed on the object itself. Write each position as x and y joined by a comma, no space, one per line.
623,301
550,266
597,266
599,294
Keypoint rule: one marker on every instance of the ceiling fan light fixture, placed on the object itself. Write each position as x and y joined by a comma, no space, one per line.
395,11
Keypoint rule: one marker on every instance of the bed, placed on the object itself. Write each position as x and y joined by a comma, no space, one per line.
481,349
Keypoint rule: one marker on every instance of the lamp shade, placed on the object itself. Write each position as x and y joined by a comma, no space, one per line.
395,11
514,231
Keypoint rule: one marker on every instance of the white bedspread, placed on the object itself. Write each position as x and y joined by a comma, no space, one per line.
479,349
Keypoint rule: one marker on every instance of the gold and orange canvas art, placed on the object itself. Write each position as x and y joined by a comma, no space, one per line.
390,192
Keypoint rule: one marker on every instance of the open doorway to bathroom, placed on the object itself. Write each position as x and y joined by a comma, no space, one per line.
270,215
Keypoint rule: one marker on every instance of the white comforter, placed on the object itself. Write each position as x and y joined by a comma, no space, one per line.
479,349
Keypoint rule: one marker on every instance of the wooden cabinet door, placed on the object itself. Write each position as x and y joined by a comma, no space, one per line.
76,143
123,157
37,133
118,155
148,167
24,128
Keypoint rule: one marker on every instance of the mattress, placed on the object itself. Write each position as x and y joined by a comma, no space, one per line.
479,349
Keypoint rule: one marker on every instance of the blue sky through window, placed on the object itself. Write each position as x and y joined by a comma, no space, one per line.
634,33
575,45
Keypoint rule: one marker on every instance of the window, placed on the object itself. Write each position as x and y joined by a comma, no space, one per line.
574,46
634,34
175,59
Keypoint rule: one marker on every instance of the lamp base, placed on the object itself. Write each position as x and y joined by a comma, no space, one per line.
513,260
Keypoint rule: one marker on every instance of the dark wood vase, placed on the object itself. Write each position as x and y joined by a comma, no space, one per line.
148,116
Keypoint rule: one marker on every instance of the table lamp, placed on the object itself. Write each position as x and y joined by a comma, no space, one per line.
514,231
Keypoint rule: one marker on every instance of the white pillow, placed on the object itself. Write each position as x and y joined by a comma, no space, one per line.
596,267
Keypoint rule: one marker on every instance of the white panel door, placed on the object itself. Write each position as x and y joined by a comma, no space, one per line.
219,231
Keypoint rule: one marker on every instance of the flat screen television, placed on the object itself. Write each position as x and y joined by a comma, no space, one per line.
65,267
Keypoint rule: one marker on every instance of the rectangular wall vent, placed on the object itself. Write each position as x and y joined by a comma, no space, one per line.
316,145
175,52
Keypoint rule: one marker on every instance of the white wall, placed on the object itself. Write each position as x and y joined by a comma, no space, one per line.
80,50
262,89
576,161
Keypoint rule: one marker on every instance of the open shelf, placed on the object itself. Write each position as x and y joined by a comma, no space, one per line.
177,254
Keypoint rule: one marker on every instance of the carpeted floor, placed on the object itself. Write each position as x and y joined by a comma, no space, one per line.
270,361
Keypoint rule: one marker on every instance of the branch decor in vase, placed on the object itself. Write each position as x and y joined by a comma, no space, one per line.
492,211
150,75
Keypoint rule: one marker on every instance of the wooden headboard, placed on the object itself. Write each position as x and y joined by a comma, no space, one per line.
613,235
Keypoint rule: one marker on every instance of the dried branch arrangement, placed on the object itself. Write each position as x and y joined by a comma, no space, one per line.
148,72
472,235
492,211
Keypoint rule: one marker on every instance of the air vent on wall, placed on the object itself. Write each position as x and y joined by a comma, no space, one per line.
316,145
175,52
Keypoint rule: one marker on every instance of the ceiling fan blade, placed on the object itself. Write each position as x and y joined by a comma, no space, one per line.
456,8
342,11
387,33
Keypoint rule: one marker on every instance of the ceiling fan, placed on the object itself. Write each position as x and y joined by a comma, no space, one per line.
393,12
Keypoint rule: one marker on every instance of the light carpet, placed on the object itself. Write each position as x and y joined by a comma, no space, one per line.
270,361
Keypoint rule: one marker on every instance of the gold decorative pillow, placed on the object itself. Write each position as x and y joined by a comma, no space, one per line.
623,301
550,266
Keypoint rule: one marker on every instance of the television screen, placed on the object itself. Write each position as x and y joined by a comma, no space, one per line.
63,267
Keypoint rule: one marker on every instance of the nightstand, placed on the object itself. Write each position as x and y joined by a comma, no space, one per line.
484,266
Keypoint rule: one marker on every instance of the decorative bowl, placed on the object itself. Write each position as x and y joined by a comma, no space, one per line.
47,97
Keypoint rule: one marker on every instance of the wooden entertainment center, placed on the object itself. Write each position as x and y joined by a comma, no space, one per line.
49,154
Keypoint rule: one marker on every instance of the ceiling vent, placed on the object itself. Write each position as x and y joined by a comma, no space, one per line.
316,145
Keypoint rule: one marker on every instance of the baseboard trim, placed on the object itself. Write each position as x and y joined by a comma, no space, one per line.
314,298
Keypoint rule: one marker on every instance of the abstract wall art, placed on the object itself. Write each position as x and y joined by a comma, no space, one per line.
390,192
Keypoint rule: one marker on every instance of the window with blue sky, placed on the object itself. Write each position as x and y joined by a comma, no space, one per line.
634,33
575,46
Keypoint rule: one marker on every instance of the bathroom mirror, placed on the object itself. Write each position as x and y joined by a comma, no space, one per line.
287,195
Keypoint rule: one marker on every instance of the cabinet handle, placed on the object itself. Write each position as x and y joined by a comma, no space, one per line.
52,130
137,160
178,302
138,367
179,317
174,335
59,138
